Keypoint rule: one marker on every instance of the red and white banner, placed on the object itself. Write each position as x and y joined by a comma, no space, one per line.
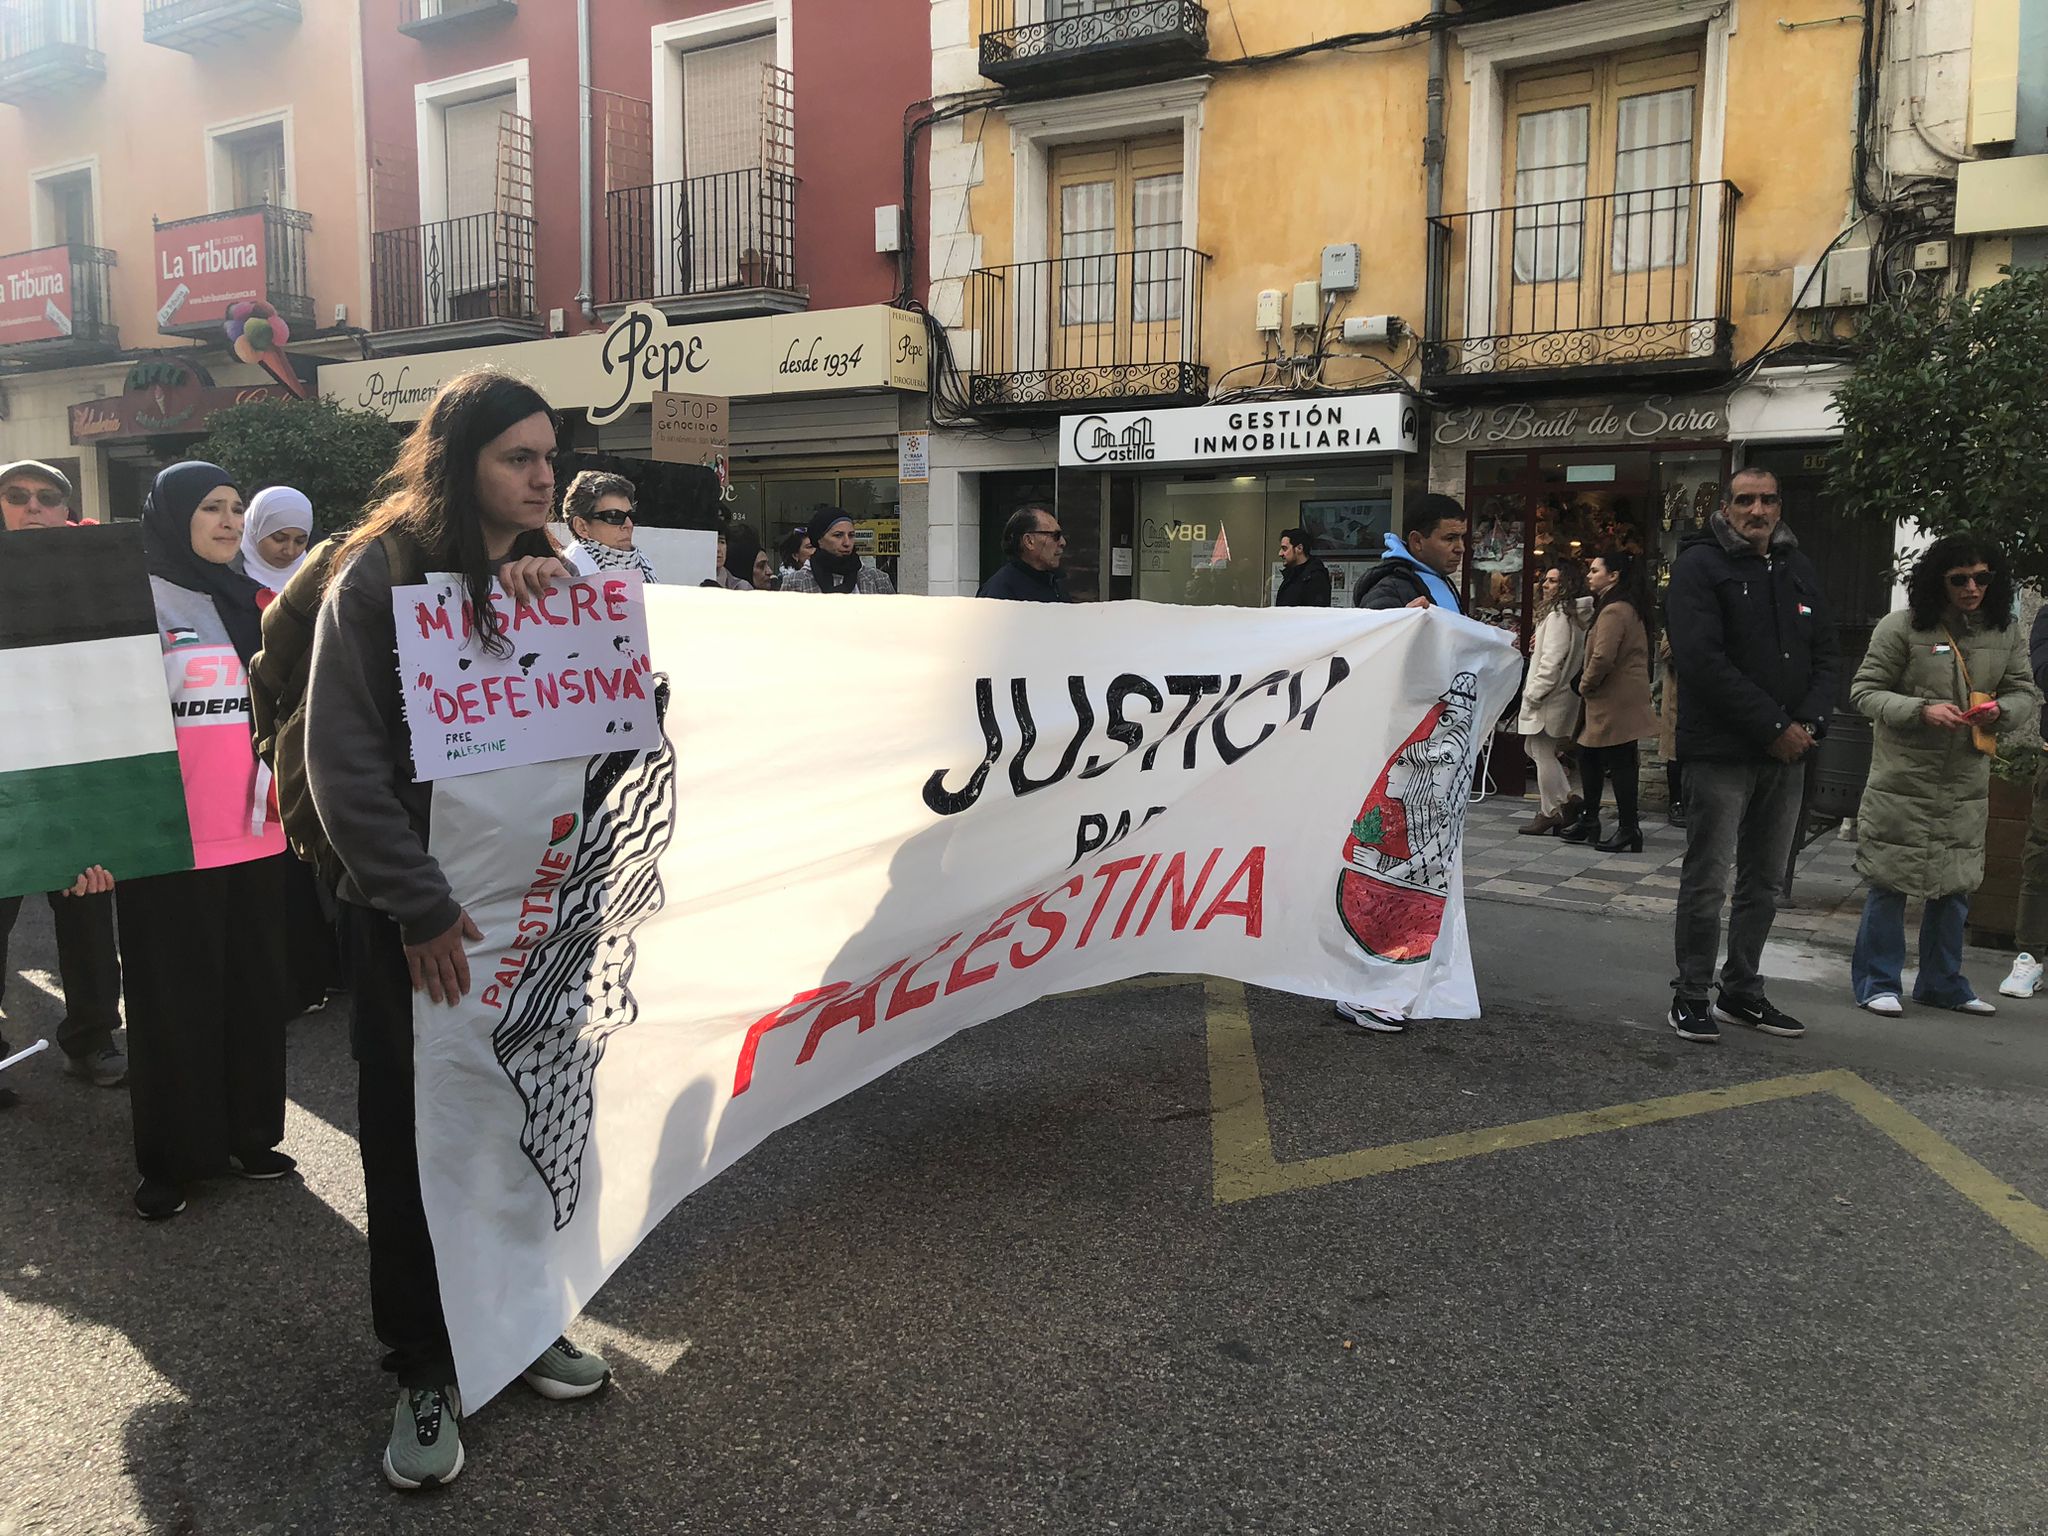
35,296
1003,801
206,265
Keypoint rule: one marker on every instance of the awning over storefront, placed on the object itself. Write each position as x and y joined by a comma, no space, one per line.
1315,427
835,351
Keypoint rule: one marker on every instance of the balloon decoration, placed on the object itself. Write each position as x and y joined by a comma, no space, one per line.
259,334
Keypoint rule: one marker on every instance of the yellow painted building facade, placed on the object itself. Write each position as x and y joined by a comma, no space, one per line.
1632,194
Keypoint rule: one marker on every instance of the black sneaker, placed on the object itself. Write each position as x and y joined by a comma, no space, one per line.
1692,1019
1757,1014
156,1199
264,1163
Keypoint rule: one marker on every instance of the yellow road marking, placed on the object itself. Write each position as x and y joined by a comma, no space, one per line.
1246,1169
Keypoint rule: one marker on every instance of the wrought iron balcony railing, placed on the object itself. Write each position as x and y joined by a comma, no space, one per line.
1027,41
284,265
1628,283
470,271
700,238
77,321
47,46
417,17
1121,328
190,25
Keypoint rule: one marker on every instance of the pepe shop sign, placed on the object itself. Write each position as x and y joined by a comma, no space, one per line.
611,373
1654,418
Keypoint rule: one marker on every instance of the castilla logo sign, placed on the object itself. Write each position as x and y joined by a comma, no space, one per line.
1326,426
1097,443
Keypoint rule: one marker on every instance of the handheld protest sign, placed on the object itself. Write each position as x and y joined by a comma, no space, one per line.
568,678
88,751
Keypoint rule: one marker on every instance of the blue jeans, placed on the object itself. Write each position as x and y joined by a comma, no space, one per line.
1881,949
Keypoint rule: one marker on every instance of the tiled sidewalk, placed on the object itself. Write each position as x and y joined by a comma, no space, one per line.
1827,897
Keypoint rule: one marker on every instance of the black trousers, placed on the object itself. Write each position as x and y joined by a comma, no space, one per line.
405,1289
1600,765
309,939
87,963
207,1005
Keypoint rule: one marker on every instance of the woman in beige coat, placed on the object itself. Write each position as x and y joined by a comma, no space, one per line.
1550,704
1616,689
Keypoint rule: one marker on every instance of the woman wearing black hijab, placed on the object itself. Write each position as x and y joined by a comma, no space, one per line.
203,949
834,566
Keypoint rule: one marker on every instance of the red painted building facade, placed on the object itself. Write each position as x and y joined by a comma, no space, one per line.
738,154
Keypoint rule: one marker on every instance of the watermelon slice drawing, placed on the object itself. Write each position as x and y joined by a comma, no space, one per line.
563,829
1402,849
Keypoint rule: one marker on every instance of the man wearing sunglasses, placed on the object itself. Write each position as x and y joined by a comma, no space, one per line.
34,496
1035,544
1756,667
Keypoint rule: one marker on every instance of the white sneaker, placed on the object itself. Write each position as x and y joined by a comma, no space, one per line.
1380,1023
1887,1005
2025,979
1975,1005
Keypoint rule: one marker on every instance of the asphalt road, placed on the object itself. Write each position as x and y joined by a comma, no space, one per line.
1050,1278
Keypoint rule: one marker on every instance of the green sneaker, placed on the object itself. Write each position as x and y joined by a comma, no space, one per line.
563,1371
426,1440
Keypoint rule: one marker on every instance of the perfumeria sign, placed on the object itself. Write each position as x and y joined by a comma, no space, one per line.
1321,426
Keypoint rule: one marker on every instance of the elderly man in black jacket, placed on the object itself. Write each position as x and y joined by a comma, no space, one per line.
1035,545
1756,666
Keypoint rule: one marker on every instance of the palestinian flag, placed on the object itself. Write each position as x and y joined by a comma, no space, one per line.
88,754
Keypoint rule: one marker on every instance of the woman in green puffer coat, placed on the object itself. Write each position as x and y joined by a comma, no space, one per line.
1921,826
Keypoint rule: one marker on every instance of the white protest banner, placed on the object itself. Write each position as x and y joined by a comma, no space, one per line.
1020,800
571,678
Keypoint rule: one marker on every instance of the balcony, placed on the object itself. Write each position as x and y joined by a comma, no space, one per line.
423,18
193,25
709,246
279,234
456,283
1119,329
1630,285
56,306
1035,42
47,47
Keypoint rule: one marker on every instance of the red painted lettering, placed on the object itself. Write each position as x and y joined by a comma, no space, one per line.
615,600
788,1013
1253,907
583,603
961,978
1052,924
433,620
1124,918
859,1006
1109,874
905,998
1184,900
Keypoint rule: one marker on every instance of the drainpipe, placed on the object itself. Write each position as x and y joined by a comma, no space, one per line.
583,180
1433,135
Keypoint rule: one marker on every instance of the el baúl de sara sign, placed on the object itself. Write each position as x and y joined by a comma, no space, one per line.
1323,426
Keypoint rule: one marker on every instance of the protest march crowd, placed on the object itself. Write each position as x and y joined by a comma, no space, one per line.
311,872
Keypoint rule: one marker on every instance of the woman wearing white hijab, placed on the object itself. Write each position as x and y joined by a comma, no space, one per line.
275,533
276,530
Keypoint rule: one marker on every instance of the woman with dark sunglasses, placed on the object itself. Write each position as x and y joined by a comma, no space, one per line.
1944,677
598,508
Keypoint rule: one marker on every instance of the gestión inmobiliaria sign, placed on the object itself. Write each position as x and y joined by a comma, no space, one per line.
1318,427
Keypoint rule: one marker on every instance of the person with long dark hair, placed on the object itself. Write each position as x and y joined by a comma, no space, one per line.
471,493
1549,715
203,949
1944,678
1615,687
793,552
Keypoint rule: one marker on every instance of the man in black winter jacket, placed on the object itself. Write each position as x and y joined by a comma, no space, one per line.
1304,580
1757,666
1424,561
1035,545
